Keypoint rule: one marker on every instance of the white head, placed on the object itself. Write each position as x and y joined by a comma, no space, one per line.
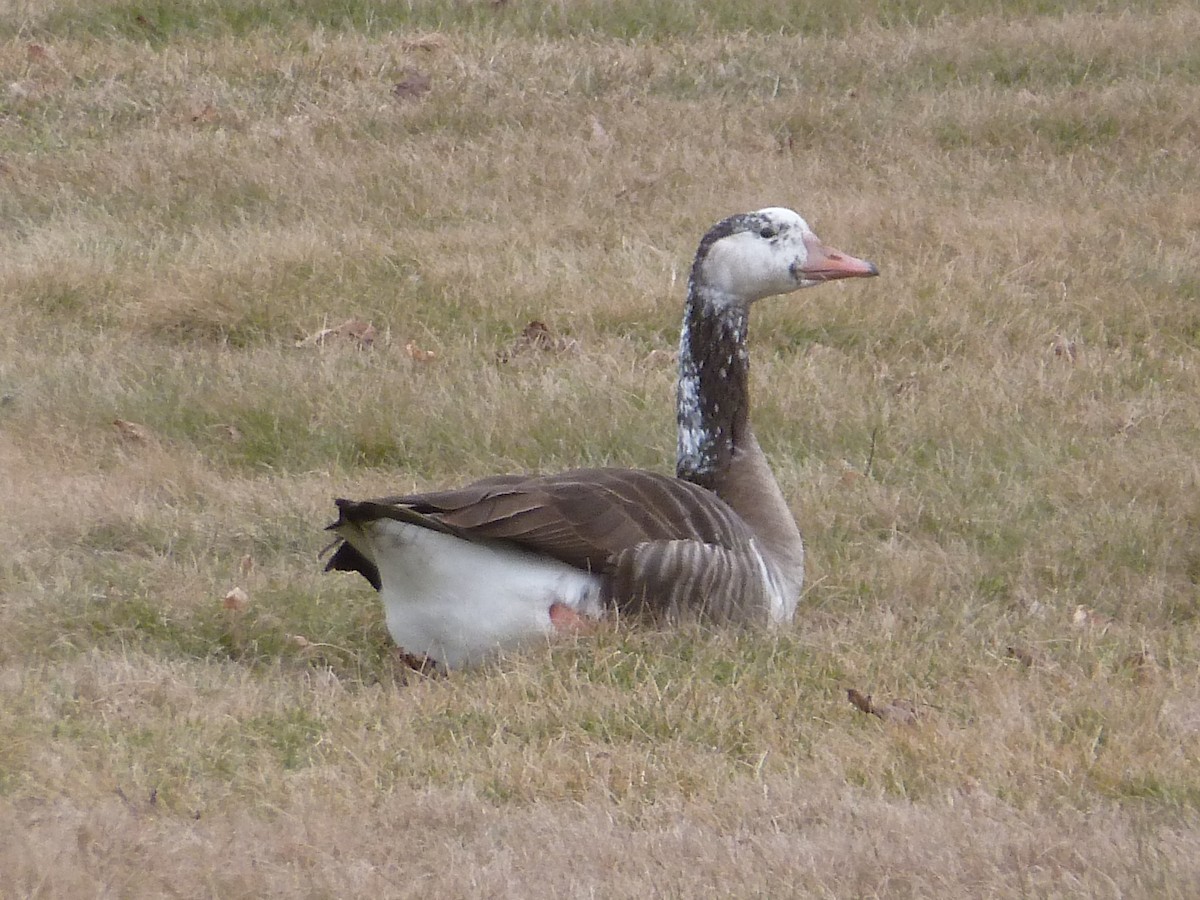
772,251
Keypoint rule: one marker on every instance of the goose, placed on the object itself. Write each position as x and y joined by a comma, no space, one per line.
468,572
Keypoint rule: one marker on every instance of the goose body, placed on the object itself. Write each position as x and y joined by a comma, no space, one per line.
466,572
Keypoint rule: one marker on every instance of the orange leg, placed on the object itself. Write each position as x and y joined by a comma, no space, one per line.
566,621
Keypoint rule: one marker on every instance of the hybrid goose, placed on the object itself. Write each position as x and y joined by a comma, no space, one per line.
467,572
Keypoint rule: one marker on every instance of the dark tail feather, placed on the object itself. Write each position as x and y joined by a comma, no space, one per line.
346,558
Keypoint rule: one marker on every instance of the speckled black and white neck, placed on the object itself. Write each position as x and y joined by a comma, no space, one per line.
713,402
713,398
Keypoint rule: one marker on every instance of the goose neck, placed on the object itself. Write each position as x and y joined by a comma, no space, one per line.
713,392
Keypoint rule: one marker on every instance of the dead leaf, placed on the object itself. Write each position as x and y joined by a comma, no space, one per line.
412,85
901,712
1143,665
536,334
146,24
1027,658
861,700
361,332
133,432
236,600
416,354
1064,348
537,337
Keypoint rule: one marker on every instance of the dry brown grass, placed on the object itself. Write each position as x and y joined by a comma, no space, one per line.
991,449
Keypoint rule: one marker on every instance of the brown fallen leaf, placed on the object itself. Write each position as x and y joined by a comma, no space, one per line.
901,712
147,25
861,700
133,432
536,337
236,600
362,333
1027,658
416,354
412,85
1064,348
1142,664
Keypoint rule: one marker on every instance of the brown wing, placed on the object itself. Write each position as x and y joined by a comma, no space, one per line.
584,517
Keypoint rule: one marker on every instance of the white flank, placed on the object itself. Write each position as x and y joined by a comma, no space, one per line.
459,602
782,604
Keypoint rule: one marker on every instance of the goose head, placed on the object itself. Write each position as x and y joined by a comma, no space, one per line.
761,254
741,259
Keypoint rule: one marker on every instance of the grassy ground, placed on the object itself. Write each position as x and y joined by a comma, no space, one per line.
991,449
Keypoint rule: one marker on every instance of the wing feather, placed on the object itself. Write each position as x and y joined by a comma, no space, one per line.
679,580
584,517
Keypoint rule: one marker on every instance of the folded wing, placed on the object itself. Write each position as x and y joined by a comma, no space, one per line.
666,544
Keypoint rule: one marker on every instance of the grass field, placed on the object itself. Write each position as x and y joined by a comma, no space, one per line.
992,449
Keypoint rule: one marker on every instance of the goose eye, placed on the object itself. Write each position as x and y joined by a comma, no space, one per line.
767,232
